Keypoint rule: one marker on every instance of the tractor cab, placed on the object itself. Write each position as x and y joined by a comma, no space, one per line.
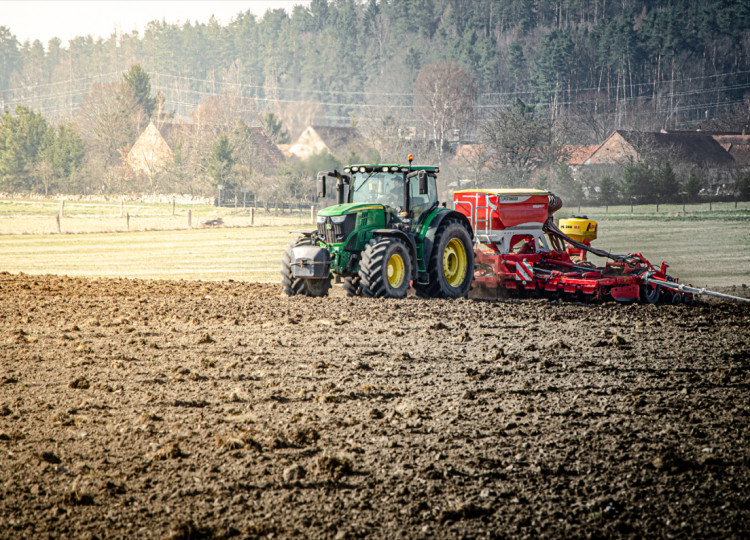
406,194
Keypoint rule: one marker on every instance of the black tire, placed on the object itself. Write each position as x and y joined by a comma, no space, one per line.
385,269
352,286
446,278
650,294
293,286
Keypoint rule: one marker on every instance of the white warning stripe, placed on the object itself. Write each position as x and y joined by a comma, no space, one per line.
524,271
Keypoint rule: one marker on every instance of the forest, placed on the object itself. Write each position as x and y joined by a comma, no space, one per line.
568,72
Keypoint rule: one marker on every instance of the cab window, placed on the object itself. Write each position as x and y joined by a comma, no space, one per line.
421,203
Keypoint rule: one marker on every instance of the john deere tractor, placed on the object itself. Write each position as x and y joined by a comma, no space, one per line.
390,232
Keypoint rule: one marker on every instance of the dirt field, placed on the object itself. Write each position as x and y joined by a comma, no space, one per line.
191,410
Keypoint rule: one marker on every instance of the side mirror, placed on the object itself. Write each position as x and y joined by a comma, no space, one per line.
423,185
321,185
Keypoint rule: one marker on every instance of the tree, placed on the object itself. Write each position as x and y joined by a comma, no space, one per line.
10,58
109,120
275,130
220,164
445,99
608,193
521,141
22,138
138,80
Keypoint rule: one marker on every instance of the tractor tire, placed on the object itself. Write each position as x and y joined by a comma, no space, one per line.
386,268
353,286
293,286
451,265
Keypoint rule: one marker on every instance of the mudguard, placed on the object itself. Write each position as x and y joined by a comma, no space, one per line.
310,262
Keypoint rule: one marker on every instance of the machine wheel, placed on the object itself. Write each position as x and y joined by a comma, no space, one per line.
451,265
293,286
650,294
353,286
385,270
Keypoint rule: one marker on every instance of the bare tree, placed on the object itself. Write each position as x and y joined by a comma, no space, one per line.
521,141
109,120
444,98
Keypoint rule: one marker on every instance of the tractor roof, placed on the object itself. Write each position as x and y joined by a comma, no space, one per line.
389,167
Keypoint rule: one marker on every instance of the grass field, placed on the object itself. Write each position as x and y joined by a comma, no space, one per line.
705,248
41,217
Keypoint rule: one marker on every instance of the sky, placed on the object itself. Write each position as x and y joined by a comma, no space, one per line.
66,19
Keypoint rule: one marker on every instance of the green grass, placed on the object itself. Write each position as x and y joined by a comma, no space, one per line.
40,216
242,254
709,252
704,248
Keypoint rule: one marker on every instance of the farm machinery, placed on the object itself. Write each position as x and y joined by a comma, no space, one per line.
526,254
388,231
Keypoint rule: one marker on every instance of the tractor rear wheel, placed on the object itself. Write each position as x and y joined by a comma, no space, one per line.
306,286
353,286
386,268
451,265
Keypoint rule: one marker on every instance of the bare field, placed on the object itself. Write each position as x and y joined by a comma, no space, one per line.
165,409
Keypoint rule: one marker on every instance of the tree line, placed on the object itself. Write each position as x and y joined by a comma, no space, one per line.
523,78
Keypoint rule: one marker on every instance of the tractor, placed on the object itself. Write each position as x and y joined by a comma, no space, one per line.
387,231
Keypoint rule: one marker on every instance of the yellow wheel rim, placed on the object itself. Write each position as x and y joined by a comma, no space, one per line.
454,262
396,271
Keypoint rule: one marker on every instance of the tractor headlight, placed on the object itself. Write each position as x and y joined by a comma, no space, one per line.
338,220
321,219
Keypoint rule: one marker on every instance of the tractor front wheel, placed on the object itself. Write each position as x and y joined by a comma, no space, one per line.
451,265
305,286
386,268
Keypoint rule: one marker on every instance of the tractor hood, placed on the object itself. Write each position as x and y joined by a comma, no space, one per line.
349,208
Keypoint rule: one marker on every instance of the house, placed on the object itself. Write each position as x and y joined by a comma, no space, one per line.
737,144
680,147
340,142
266,151
576,155
150,153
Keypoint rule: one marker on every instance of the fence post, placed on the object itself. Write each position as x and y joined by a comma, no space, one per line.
252,216
57,218
173,207
657,208
606,209
127,220
62,207
710,205
122,208
312,214
190,219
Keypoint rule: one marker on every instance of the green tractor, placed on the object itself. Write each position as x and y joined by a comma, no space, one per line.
391,232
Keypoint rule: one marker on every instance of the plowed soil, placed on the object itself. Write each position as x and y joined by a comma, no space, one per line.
194,410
